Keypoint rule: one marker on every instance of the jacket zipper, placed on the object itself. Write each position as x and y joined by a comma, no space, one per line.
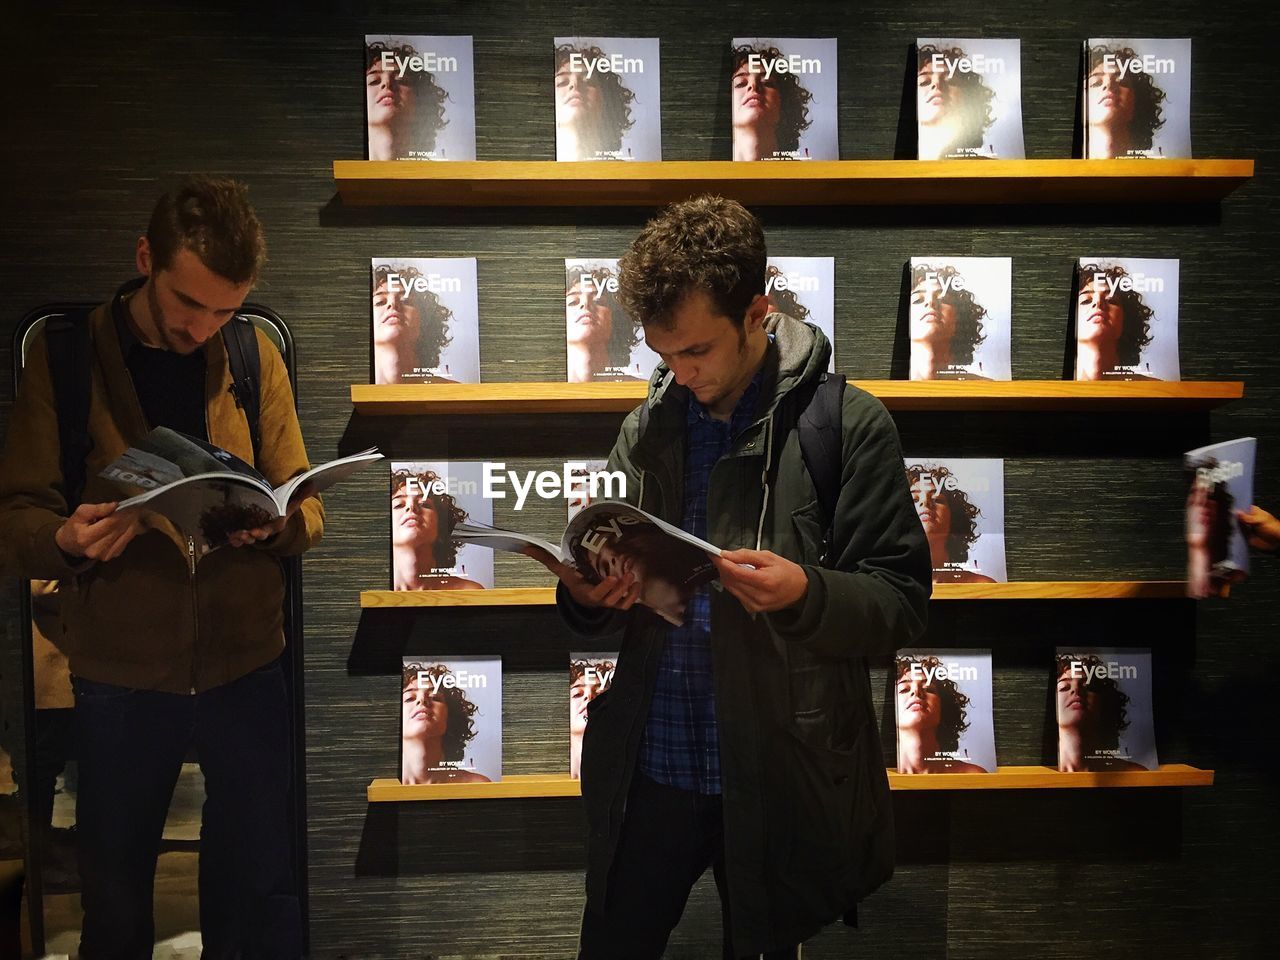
195,610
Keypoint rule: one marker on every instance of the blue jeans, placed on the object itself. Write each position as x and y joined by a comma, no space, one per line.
131,745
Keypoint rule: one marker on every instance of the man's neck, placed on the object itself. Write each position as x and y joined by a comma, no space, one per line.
757,347
137,314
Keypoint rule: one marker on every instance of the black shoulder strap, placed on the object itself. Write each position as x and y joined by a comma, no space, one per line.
821,445
246,366
70,351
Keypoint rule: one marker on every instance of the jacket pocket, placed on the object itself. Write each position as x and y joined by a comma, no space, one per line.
807,523
832,801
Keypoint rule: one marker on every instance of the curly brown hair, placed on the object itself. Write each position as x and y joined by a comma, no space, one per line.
460,728
625,332
955,704
1113,702
784,300
794,117
964,513
444,551
1137,315
433,316
211,217
616,99
976,97
969,312
705,243
429,96
578,670
1148,115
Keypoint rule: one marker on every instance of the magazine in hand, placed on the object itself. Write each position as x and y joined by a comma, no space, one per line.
602,340
1103,699
429,501
208,493
943,706
419,98
1137,98
782,99
959,318
1126,319
607,97
960,502
590,674
451,720
804,288
968,99
612,538
426,320
1221,482
583,495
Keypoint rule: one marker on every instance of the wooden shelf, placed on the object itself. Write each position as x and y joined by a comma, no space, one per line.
546,183
1020,590
421,399
1005,778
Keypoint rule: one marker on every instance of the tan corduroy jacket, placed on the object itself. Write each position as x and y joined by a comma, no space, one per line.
152,618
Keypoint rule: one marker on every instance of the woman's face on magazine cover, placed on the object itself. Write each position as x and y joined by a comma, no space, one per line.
388,98
581,693
933,510
425,716
1097,317
932,319
934,95
1075,701
588,319
919,706
577,98
395,315
1111,101
414,522
756,101
614,559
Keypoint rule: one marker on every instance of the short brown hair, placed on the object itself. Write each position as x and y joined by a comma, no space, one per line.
214,220
706,243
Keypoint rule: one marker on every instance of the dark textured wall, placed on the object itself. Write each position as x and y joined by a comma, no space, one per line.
109,103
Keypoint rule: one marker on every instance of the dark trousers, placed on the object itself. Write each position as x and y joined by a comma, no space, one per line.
669,838
130,746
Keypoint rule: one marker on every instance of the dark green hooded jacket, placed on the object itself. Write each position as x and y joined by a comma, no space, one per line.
808,827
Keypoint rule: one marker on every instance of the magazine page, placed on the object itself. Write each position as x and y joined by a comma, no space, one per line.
1126,319
590,674
1103,699
1137,98
804,288
602,340
585,492
960,502
323,477
1220,483
943,706
607,97
960,318
451,720
428,500
210,507
166,456
611,538
426,320
419,98
496,538
968,99
782,99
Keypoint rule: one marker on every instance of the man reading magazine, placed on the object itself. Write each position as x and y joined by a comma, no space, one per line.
743,739
164,652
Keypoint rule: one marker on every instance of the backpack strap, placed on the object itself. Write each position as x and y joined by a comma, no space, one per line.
70,355
245,362
821,446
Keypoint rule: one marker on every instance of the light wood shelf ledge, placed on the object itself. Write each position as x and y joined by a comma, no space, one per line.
547,183
1025,395
1004,778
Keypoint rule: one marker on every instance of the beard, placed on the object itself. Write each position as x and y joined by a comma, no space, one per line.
168,339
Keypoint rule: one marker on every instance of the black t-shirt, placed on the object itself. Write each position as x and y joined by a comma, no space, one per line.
170,386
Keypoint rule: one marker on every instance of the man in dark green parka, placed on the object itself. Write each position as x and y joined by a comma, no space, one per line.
744,739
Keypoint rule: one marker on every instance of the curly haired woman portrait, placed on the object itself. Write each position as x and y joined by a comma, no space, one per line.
769,112
1122,114
410,327
945,328
1113,325
932,714
1092,713
587,680
953,110
423,551
593,112
950,521
436,724
599,333
405,109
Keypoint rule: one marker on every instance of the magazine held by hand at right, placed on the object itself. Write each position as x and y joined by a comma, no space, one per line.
1220,480
612,538
208,493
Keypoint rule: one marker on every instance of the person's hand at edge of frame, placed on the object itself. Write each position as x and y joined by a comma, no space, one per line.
1260,527
618,593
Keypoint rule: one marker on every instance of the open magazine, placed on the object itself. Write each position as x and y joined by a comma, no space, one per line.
209,493
612,538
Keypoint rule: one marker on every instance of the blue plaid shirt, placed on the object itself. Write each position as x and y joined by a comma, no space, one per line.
681,747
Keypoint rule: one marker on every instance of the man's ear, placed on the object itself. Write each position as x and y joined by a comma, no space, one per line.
142,257
756,312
